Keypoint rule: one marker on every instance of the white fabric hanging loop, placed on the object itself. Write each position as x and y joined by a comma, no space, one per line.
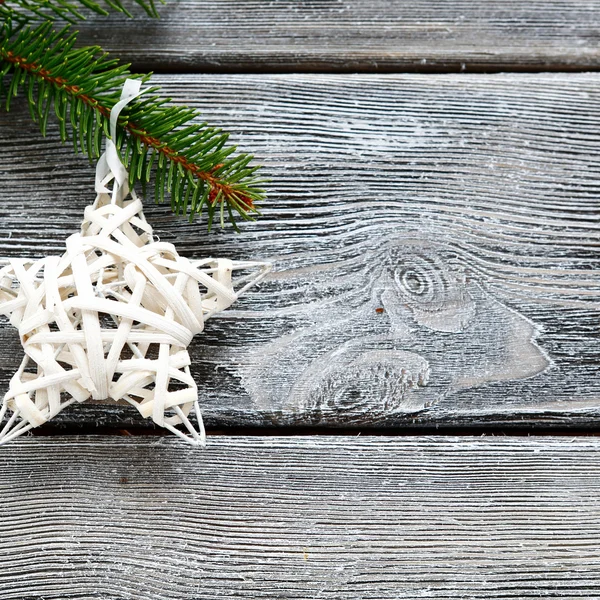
113,316
109,166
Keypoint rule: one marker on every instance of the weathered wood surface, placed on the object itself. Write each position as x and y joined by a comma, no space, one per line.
356,35
351,518
435,242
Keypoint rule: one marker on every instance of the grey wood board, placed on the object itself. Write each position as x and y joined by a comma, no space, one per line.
354,35
435,244
282,518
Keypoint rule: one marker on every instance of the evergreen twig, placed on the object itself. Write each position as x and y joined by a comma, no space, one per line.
70,10
190,160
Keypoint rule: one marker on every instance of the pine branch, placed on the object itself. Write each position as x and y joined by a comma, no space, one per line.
70,10
190,160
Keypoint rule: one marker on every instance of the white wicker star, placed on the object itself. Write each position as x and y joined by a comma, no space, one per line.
113,316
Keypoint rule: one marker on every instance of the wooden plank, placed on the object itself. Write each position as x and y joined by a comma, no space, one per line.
434,240
355,36
351,518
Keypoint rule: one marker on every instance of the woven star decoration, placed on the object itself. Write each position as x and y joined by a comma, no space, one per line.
113,316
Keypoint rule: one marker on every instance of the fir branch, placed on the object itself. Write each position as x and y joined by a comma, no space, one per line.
70,10
190,160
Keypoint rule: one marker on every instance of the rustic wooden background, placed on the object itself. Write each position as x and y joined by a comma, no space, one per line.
433,220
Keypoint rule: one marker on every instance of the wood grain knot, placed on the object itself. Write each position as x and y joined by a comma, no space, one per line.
410,327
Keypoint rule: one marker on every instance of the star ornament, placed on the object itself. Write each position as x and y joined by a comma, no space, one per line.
113,316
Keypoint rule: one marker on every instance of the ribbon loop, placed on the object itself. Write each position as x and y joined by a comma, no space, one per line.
109,165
